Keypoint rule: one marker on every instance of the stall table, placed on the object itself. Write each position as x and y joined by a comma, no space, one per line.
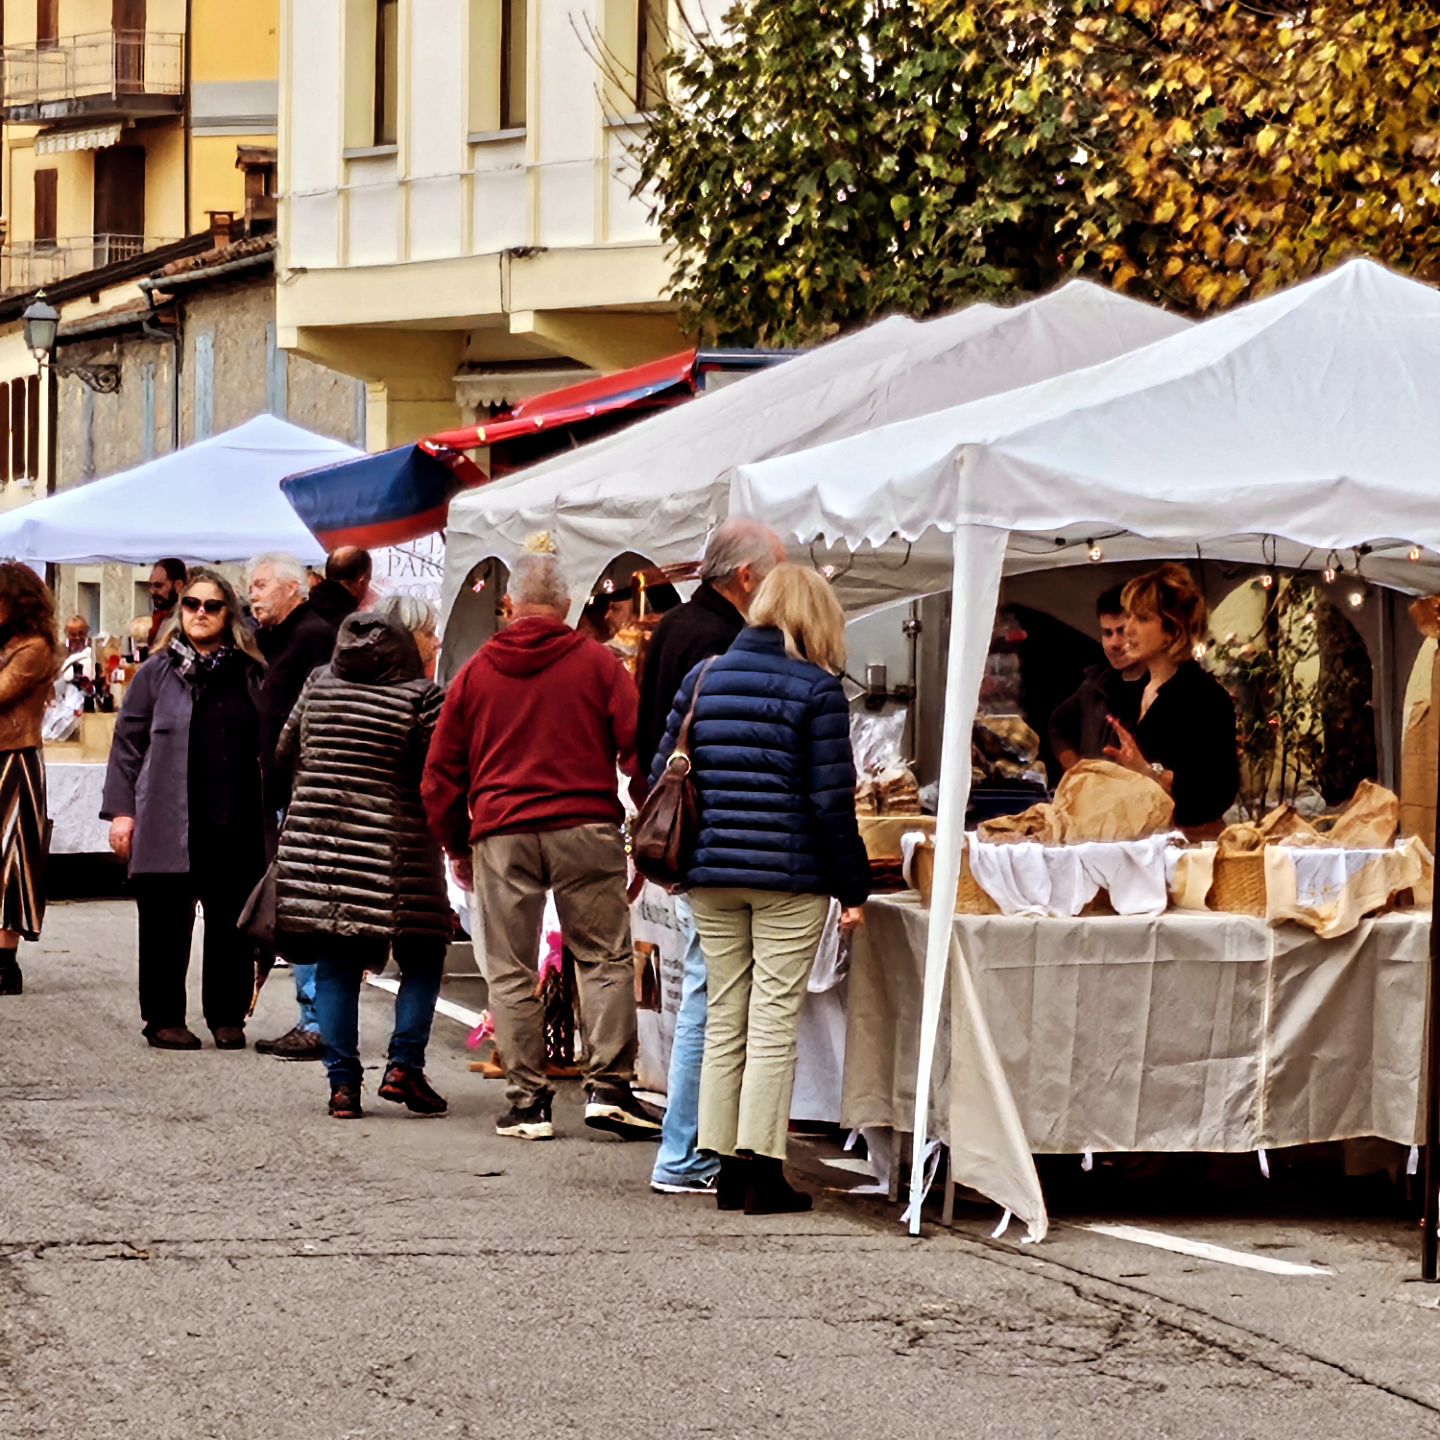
1184,1032
73,792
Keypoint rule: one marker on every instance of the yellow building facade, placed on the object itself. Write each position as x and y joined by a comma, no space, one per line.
457,226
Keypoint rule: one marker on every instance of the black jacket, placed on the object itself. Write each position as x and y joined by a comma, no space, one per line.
704,626
775,773
300,643
356,857
1081,723
333,601
1190,730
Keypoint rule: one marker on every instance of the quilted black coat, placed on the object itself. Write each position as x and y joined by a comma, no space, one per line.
775,774
356,857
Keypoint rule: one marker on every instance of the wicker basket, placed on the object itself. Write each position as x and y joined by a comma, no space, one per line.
1239,884
970,899
882,834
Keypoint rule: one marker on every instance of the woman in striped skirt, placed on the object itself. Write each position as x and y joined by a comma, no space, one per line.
29,661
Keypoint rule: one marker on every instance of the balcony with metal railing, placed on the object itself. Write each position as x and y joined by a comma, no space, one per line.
33,264
119,73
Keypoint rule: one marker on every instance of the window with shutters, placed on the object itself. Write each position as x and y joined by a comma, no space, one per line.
47,24
387,72
32,427
47,191
499,56
17,430
5,470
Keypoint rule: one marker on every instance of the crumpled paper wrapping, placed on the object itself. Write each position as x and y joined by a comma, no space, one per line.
1096,801
1369,821
1330,890
1284,822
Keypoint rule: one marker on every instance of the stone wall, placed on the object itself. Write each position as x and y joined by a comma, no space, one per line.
230,371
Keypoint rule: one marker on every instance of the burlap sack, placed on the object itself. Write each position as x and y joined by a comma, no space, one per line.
1369,821
1099,800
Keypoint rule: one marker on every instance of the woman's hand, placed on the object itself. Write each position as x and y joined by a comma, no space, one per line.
852,917
122,836
1127,752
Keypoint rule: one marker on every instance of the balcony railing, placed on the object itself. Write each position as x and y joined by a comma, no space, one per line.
130,71
31,264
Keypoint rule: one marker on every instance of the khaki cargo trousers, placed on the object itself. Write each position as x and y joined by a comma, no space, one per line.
585,867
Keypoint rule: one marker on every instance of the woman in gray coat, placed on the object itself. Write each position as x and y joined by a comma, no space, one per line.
182,794
357,873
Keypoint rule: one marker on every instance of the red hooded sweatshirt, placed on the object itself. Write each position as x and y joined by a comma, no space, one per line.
530,736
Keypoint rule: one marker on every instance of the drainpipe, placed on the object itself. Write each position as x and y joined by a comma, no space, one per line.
175,336
188,121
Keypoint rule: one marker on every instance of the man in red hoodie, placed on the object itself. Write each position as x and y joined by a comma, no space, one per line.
521,791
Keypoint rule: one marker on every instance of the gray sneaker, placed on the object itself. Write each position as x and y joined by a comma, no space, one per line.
690,1185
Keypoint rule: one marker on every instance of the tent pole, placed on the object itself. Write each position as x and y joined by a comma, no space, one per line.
1430,1169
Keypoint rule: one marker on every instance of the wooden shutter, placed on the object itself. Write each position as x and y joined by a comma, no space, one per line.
127,20
17,428
32,427
47,24
119,201
5,430
46,193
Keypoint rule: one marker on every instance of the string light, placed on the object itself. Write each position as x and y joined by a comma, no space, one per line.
1096,552
1355,599
1414,554
1328,574
1267,581
1201,650
608,585
1333,567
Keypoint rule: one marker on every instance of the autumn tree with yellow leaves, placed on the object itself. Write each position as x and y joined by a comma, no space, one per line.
819,162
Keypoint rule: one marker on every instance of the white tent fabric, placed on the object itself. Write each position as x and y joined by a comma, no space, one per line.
657,488
217,500
1297,426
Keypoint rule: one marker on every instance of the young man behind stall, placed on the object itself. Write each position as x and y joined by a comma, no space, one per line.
1080,727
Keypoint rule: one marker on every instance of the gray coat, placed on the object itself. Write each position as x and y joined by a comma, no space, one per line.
148,776
356,857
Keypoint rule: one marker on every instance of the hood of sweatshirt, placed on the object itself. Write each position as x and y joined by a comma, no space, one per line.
372,650
526,647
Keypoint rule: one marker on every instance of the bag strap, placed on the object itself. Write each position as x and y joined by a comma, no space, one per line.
682,740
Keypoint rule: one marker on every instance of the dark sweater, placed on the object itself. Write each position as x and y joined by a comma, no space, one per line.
773,766
224,776
1190,730
302,642
1082,723
705,625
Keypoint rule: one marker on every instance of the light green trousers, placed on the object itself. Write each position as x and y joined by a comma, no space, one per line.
759,946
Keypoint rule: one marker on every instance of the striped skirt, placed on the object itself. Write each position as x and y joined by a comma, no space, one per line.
24,841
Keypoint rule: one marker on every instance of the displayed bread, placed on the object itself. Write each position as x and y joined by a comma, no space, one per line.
1039,822
1283,824
893,792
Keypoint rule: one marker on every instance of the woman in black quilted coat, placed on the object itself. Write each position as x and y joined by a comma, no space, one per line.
357,873
772,765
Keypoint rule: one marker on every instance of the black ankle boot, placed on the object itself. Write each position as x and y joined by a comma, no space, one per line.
12,982
733,1183
770,1193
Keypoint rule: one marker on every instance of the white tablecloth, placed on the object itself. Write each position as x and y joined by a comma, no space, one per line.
73,791
1187,1031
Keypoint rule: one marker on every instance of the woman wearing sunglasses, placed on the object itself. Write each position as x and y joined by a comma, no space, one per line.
182,795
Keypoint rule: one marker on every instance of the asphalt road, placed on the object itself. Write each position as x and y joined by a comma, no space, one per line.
190,1247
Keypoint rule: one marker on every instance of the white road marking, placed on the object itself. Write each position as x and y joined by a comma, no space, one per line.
1203,1250
447,1008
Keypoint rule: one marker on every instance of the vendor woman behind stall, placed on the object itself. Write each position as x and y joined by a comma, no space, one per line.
1185,737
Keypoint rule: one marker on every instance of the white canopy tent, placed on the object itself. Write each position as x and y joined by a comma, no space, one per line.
657,488
217,500
1297,427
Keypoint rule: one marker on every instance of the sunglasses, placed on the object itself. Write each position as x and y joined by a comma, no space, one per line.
193,605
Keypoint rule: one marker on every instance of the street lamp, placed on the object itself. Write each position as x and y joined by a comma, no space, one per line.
42,328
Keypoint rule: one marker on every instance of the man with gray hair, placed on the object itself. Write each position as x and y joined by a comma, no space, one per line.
741,553
295,639
521,791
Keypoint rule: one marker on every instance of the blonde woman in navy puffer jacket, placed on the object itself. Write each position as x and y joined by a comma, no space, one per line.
775,776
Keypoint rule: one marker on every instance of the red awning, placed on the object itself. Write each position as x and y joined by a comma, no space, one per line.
575,403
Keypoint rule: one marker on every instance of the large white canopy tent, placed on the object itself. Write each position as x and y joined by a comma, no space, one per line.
657,488
217,500
1296,427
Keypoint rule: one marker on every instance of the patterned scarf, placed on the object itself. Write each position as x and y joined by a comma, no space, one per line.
198,668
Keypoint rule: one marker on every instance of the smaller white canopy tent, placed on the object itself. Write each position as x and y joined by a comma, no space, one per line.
217,500
657,487
1294,427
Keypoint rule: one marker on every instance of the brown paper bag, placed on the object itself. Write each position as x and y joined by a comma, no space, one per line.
1099,800
1369,820
1036,823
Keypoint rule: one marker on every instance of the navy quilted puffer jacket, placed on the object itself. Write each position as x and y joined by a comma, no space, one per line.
774,772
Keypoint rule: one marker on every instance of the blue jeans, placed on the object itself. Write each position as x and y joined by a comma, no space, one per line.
305,995
339,973
678,1160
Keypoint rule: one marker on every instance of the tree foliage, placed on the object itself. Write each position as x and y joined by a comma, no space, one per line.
818,162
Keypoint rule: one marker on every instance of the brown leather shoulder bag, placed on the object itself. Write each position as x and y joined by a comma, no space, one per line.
669,820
